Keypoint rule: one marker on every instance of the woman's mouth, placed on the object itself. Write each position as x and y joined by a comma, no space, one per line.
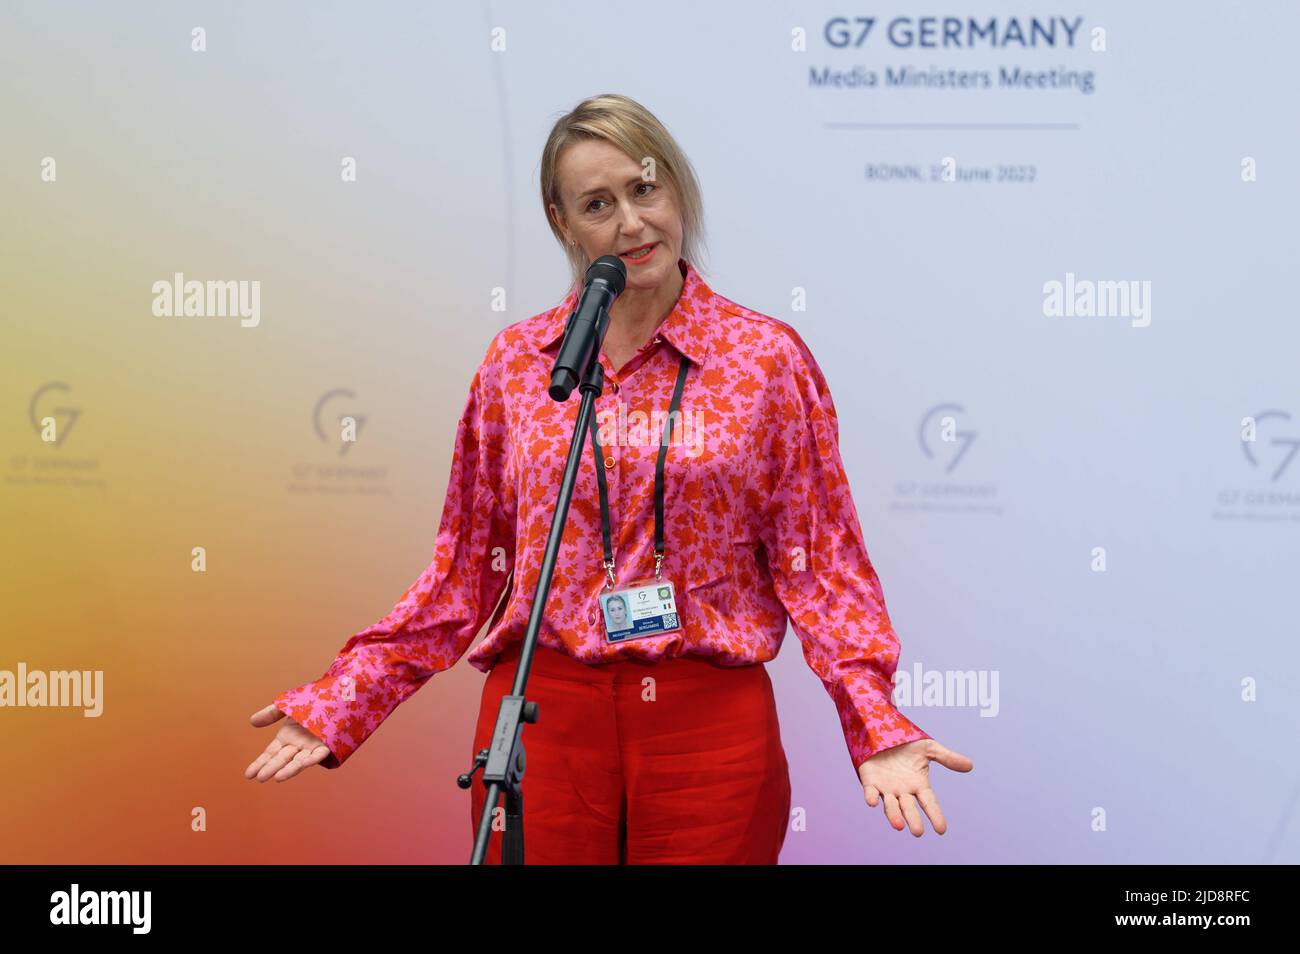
640,254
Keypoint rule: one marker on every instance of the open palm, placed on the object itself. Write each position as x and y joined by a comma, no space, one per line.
292,750
900,778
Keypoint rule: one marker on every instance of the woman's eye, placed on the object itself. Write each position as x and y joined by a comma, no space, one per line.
648,185
592,203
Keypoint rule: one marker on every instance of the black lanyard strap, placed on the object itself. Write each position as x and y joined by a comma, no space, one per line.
669,427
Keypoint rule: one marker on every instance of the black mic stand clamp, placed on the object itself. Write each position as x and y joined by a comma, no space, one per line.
506,772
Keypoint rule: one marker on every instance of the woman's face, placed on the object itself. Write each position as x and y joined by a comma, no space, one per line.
610,208
617,614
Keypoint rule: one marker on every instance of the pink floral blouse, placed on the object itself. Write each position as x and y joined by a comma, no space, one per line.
759,525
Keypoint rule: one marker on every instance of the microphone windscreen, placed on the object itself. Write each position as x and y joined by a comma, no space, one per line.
611,269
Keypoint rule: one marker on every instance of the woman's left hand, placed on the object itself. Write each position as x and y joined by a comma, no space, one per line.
900,777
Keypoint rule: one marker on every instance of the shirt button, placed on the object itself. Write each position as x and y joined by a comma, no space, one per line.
591,618
609,463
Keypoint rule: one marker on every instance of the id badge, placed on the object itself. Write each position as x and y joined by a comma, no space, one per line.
642,608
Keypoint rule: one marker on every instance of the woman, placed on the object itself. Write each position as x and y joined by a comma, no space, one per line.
616,613
661,745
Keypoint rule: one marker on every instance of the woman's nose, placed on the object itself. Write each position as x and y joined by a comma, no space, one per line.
631,219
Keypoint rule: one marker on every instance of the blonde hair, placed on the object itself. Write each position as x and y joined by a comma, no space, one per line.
629,126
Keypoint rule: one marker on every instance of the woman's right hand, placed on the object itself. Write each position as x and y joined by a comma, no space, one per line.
292,750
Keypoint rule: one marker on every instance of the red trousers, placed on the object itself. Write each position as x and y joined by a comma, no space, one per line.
674,762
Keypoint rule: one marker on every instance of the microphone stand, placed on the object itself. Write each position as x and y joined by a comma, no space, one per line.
503,760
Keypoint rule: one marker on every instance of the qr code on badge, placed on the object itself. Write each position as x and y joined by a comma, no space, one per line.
670,620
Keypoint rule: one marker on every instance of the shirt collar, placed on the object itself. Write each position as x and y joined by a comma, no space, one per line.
686,327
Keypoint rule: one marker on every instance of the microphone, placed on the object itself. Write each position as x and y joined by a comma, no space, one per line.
605,281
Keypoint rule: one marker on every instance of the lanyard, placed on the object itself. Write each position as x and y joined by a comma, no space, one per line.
659,480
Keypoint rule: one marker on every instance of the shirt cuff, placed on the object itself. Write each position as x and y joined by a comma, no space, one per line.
317,706
875,728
